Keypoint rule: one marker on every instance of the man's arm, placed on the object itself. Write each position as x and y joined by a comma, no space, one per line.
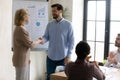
70,45
45,37
110,57
70,41
118,65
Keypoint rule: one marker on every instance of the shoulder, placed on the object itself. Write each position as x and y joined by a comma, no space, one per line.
22,31
90,65
66,21
67,24
69,64
50,22
18,30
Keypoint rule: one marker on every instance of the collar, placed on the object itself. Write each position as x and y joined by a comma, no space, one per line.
78,61
60,20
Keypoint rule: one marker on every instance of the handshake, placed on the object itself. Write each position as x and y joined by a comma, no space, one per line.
39,41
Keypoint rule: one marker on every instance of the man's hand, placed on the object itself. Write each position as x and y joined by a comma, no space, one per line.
114,61
111,54
111,58
37,41
67,60
41,40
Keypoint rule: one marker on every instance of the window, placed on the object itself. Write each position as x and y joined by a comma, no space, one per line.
101,26
114,22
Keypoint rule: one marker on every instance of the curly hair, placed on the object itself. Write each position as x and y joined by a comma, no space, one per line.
82,50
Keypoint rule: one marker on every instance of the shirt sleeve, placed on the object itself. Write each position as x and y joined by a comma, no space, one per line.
118,65
46,34
70,41
26,39
108,64
98,74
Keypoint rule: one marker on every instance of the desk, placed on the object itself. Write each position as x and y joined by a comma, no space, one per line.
110,73
58,76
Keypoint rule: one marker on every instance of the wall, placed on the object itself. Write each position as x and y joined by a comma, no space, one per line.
6,69
77,21
38,65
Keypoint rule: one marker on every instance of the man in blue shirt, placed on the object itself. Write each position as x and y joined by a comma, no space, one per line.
59,33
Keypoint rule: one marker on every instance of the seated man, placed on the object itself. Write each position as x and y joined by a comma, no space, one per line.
81,69
113,59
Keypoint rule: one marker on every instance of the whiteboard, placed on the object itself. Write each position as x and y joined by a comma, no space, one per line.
36,26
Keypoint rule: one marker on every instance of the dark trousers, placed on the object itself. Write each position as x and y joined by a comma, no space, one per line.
51,66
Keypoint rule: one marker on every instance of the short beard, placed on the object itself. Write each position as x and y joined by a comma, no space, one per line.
117,45
55,17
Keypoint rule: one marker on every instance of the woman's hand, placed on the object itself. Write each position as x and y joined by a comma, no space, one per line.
88,58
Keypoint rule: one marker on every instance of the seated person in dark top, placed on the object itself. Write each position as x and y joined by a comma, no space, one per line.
81,69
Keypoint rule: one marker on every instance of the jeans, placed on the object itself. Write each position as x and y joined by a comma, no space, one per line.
51,66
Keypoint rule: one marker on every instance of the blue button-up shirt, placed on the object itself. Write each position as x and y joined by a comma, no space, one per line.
61,39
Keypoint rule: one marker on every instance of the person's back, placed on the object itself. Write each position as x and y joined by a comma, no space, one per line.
81,69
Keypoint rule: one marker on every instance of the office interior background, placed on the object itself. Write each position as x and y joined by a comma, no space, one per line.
96,21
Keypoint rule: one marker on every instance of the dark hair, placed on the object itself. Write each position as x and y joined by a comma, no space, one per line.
118,34
59,6
82,50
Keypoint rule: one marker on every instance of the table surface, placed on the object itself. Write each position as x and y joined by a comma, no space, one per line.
110,73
